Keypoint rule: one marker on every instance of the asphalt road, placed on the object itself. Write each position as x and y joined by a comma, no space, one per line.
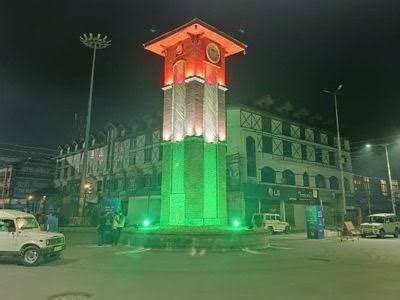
291,268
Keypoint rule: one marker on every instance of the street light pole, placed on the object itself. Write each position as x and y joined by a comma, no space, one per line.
93,42
390,179
335,94
385,146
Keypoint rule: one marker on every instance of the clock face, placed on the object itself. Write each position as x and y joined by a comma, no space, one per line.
213,53
179,49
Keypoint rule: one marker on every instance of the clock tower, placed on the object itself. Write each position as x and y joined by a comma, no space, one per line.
193,191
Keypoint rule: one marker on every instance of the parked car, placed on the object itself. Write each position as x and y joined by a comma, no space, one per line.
270,222
381,225
21,236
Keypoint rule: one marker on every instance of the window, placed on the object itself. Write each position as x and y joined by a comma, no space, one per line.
268,175
288,177
160,152
333,183
303,152
286,128
332,158
159,179
317,136
318,155
147,180
346,185
266,144
132,183
251,157
132,159
99,186
8,225
306,179
302,133
148,139
266,124
320,181
287,149
132,143
147,155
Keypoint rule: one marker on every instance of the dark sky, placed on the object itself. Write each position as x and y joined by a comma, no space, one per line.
296,49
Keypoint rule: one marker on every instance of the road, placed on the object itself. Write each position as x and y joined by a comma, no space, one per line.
291,268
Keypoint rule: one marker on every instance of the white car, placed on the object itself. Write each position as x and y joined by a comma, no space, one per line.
380,225
21,236
270,222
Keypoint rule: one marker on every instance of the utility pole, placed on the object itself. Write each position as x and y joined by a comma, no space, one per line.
390,179
93,42
340,158
385,146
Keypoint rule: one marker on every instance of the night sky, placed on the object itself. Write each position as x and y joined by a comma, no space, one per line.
295,49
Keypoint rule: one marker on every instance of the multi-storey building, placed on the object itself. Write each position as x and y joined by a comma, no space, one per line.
19,179
279,165
123,165
372,195
273,164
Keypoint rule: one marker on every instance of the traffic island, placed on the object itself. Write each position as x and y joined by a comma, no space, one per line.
210,238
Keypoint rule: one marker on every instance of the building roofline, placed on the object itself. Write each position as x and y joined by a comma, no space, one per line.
193,22
281,117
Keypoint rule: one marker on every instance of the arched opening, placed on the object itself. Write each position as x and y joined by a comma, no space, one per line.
306,179
333,183
320,181
268,175
288,177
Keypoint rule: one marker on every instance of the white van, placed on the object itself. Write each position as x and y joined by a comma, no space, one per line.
21,236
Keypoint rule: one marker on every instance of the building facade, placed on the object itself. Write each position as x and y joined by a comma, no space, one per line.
273,165
278,165
20,179
124,166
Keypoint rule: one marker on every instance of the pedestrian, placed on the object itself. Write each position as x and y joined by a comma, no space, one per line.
115,230
101,228
120,225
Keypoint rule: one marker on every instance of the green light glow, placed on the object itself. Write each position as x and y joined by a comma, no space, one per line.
236,223
146,222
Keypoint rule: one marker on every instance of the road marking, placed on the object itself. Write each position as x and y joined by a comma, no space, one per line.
252,251
278,247
139,250
193,252
93,246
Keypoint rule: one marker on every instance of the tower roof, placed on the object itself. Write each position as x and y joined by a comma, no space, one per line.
195,27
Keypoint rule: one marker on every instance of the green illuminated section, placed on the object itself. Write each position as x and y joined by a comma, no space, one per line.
194,183
210,182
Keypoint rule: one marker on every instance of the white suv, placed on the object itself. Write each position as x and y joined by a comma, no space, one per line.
20,235
380,225
270,222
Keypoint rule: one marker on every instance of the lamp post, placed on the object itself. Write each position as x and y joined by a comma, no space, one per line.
95,43
385,146
335,93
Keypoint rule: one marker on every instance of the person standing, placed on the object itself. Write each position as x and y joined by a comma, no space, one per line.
115,230
121,224
101,228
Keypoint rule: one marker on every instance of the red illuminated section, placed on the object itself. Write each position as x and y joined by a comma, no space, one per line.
187,54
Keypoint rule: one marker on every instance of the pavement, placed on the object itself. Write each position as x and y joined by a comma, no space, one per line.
290,267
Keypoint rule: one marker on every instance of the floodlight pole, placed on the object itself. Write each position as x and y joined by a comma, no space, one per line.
94,42
340,162
390,179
